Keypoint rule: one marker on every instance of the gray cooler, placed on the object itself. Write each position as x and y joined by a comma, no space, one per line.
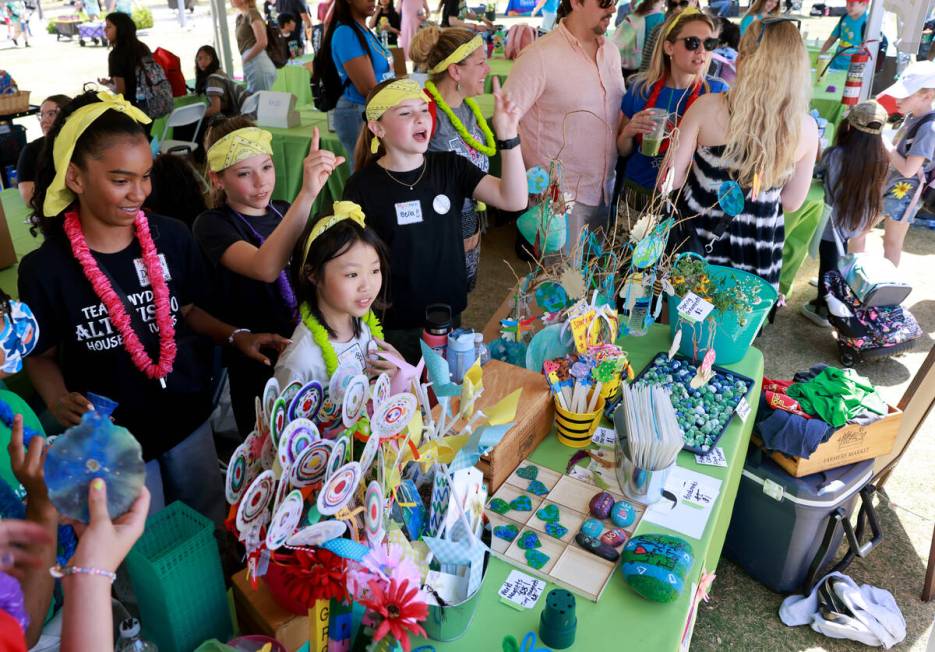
785,530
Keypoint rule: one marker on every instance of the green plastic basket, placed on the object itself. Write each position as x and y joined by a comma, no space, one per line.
176,573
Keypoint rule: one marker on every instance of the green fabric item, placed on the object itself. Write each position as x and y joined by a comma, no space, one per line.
837,396
19,406
296,79
499,68
800,227
16,213
648,625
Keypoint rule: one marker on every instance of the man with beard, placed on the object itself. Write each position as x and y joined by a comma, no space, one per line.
568,85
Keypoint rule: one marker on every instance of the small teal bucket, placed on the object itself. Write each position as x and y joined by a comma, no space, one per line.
730,339
449,623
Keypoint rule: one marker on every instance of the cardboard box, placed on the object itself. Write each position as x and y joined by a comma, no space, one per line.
852,443
258,613
534,418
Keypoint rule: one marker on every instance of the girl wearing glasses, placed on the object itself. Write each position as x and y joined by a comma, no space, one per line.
674,81
758,135
29,158
757,11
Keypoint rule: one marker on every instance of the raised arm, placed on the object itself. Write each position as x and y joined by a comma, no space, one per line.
508,192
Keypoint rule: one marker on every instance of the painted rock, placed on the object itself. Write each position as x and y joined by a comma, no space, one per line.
623,514
592,528
655,566
615,538
601,504
594,546
549,513
506,532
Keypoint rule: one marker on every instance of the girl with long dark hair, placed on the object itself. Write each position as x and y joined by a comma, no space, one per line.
125,56
224,95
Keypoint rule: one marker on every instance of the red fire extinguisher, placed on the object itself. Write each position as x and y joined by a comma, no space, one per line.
855,75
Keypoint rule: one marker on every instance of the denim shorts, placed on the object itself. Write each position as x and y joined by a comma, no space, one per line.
898,197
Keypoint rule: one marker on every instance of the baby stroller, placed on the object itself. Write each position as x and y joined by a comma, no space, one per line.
866,332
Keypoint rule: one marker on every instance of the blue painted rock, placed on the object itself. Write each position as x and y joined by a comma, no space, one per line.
615,538
655,566
601,504
592,528
622,514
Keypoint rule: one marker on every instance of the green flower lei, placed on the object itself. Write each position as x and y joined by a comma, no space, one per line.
320,335
491,147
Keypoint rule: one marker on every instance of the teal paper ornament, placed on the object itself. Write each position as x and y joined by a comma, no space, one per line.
537,180
730,198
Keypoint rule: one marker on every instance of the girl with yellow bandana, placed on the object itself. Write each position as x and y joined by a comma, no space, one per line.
118,296
248,238
412,199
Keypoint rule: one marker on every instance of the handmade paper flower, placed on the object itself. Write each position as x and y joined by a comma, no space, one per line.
390,561
900,189
312,575
401,607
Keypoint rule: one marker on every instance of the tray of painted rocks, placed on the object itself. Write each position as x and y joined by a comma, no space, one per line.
703,413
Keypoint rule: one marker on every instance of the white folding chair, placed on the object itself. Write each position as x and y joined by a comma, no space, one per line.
181,116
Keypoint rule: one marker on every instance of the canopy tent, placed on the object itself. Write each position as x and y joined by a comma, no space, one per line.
910,15
221,33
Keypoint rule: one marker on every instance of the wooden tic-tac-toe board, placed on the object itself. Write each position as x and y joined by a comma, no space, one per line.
568,565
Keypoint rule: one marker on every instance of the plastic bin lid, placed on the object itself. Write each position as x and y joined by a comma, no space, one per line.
823,489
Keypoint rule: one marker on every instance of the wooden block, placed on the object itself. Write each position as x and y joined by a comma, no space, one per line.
533,422
849,444
258,613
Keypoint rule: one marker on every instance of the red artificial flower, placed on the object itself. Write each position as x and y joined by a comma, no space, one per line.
312,575
400,608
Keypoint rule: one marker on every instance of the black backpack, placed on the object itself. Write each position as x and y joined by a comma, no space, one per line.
327,87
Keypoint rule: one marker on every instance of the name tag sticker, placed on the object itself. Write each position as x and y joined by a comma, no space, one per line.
408,212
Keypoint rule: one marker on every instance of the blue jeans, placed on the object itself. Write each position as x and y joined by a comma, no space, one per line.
721,7
259,73
189,472
348,123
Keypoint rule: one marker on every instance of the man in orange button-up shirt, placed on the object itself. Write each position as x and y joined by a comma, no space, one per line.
573,68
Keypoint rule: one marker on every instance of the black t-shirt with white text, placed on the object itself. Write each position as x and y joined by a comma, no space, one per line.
28,163
422,230
90,350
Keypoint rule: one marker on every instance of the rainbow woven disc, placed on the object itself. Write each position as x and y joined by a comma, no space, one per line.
392,416
381,390
339,380
369,452
285,520
270,394
307,401
278,420
238,474
283,487
373,512
339,489
296,436
338,456
310,464
255,501
355,400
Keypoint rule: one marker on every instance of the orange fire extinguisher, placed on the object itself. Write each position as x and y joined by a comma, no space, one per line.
855,75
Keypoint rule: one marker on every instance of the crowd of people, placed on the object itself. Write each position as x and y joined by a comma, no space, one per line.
142,275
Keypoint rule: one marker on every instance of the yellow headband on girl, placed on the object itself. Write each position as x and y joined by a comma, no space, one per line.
460,54
237,146
58,196
343,210
687,11
388,97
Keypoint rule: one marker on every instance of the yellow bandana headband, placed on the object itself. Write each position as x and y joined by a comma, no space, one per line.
460,54
58,196
388,97
343,210
237,146
688,11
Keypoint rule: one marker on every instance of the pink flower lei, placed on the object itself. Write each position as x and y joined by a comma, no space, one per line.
115,307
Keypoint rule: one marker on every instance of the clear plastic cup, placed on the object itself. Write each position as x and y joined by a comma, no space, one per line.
652,141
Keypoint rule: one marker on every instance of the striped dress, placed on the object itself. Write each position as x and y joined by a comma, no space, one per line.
753,239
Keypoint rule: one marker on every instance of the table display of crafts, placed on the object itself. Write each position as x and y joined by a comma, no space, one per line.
360,492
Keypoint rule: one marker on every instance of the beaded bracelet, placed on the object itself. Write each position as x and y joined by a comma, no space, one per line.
58,571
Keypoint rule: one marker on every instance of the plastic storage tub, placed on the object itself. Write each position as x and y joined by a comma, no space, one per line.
779,522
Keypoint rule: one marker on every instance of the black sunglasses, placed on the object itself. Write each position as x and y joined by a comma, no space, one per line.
606,4
675,5
692,43
766,21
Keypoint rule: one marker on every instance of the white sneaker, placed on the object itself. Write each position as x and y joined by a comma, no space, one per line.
814,316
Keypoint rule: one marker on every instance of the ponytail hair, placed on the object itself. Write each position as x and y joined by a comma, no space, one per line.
431,45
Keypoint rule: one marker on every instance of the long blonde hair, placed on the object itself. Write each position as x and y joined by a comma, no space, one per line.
660,66
757,8
766,104
432,44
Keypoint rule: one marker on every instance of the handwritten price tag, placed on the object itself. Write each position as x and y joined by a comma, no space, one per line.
521,590
743,409
693,308
714,457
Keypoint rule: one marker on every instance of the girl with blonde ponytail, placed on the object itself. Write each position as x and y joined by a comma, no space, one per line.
758,135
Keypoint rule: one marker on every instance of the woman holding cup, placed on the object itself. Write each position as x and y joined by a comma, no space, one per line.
655,102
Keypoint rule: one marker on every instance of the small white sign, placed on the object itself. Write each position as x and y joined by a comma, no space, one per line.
693,308
604,436
714,457
743,409
408,212
521,589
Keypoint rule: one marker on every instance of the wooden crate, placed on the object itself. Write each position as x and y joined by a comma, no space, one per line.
852,443
534,418
258,613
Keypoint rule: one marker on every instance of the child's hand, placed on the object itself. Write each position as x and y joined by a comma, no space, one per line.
28,467
250,344
378,365
318,165
506,114
15,537
69,407
103,543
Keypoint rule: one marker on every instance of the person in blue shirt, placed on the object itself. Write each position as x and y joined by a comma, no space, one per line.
673,81
549,9
756,11
361,61
849,33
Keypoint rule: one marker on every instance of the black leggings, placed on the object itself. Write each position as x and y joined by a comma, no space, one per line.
828,257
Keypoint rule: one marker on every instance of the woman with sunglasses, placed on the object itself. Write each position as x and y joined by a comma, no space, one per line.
674,81
759,136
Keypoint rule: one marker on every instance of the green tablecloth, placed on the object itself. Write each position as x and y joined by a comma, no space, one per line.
499,68
829,103
295,78
800,227
290,147
622,613
16,213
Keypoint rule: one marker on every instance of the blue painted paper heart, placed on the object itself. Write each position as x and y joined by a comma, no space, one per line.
521,504
506,532
536,558
529,540
537,488
556,530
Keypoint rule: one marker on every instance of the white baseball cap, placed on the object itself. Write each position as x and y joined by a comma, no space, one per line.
916,76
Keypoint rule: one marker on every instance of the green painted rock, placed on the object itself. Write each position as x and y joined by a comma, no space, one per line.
655,566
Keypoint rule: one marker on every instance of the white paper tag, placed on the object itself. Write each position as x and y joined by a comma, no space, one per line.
743,409
692,308
604,436
408,212
581,473
714,457
521,589
143,277
667,287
